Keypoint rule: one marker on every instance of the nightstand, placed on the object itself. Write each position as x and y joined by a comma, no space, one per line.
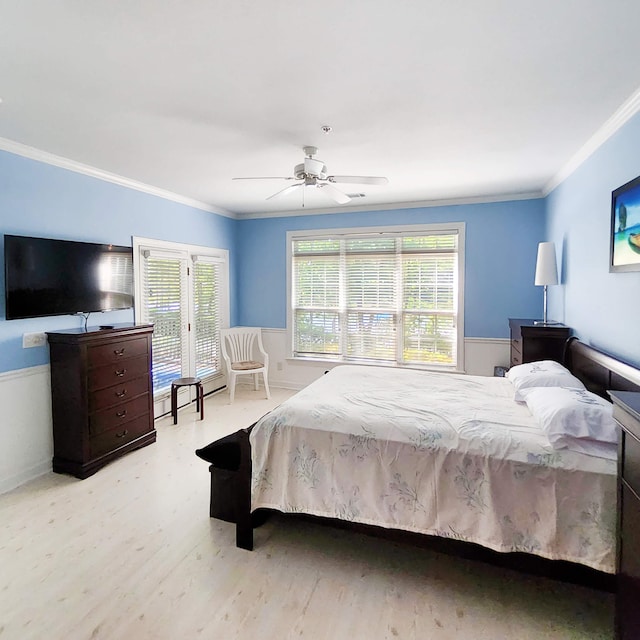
626,411
531,342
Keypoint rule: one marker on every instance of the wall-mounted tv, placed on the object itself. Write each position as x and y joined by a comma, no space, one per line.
47,277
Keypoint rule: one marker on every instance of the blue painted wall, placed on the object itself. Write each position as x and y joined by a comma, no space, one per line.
501,241
602,307
43,200
501,245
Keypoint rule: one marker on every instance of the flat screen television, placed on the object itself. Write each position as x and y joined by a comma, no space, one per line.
47,277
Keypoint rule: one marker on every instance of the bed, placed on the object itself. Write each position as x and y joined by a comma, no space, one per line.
437,456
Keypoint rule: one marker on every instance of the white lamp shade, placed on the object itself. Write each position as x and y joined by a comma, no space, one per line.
546,268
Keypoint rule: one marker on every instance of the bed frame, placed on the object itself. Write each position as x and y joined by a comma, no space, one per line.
598,371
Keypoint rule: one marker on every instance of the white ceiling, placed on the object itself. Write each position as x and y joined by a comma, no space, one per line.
449,99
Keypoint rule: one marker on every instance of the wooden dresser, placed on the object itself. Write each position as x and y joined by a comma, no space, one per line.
626,411
102,395
531,342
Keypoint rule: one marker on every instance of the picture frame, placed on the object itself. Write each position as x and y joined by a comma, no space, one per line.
624,240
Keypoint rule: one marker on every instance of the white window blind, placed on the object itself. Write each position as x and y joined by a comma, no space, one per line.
207,285
163,284
382,297
430,283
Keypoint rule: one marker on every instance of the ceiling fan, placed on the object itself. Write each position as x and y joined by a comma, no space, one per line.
313,173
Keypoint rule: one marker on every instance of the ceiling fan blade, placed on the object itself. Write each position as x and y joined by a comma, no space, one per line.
358,179
289,189
334,194
266,178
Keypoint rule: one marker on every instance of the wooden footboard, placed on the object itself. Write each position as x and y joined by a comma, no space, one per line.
244,523
230,499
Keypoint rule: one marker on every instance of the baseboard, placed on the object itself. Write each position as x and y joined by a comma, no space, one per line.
26,475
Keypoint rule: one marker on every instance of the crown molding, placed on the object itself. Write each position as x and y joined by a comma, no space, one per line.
32,153
71,165
422,204
627,110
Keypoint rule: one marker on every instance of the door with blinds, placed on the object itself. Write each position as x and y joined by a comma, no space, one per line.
183,291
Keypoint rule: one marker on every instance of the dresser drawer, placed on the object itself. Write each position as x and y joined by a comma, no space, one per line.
109,441
123,371
122,392
118,414
630,463
630,422
627,611
629,527
116,351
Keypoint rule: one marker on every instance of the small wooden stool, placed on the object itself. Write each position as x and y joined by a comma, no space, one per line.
187,382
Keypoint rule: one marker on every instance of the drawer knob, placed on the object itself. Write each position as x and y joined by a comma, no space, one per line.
120,372
118,352
121,394
123,434
121,414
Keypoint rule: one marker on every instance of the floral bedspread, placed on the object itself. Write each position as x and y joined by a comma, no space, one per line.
440,454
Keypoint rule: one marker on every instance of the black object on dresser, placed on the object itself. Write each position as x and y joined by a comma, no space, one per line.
101,393
531,342
626,411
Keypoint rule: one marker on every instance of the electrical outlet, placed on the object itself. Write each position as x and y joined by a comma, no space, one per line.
279,366
33,340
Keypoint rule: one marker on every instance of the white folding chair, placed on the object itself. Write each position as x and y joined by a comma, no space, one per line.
240,346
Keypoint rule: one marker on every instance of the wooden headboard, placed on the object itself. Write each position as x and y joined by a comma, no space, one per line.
599,371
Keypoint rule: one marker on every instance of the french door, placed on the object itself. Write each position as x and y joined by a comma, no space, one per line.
183,291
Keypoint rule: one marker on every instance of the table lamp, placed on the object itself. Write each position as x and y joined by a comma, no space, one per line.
546,272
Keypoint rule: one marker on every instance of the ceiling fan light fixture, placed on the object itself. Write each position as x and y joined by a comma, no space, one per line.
314,173
314,167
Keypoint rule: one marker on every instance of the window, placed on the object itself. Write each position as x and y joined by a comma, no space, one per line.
163,289
208,291
183,291
370,295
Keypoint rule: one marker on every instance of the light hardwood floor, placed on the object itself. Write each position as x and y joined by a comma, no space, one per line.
132,553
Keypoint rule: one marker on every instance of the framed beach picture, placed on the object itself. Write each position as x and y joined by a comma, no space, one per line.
625,227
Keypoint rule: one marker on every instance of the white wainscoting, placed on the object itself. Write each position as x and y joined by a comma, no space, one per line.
481,355
26,434
26,430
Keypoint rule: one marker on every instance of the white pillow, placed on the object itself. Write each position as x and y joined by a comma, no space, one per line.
544,373
572,416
